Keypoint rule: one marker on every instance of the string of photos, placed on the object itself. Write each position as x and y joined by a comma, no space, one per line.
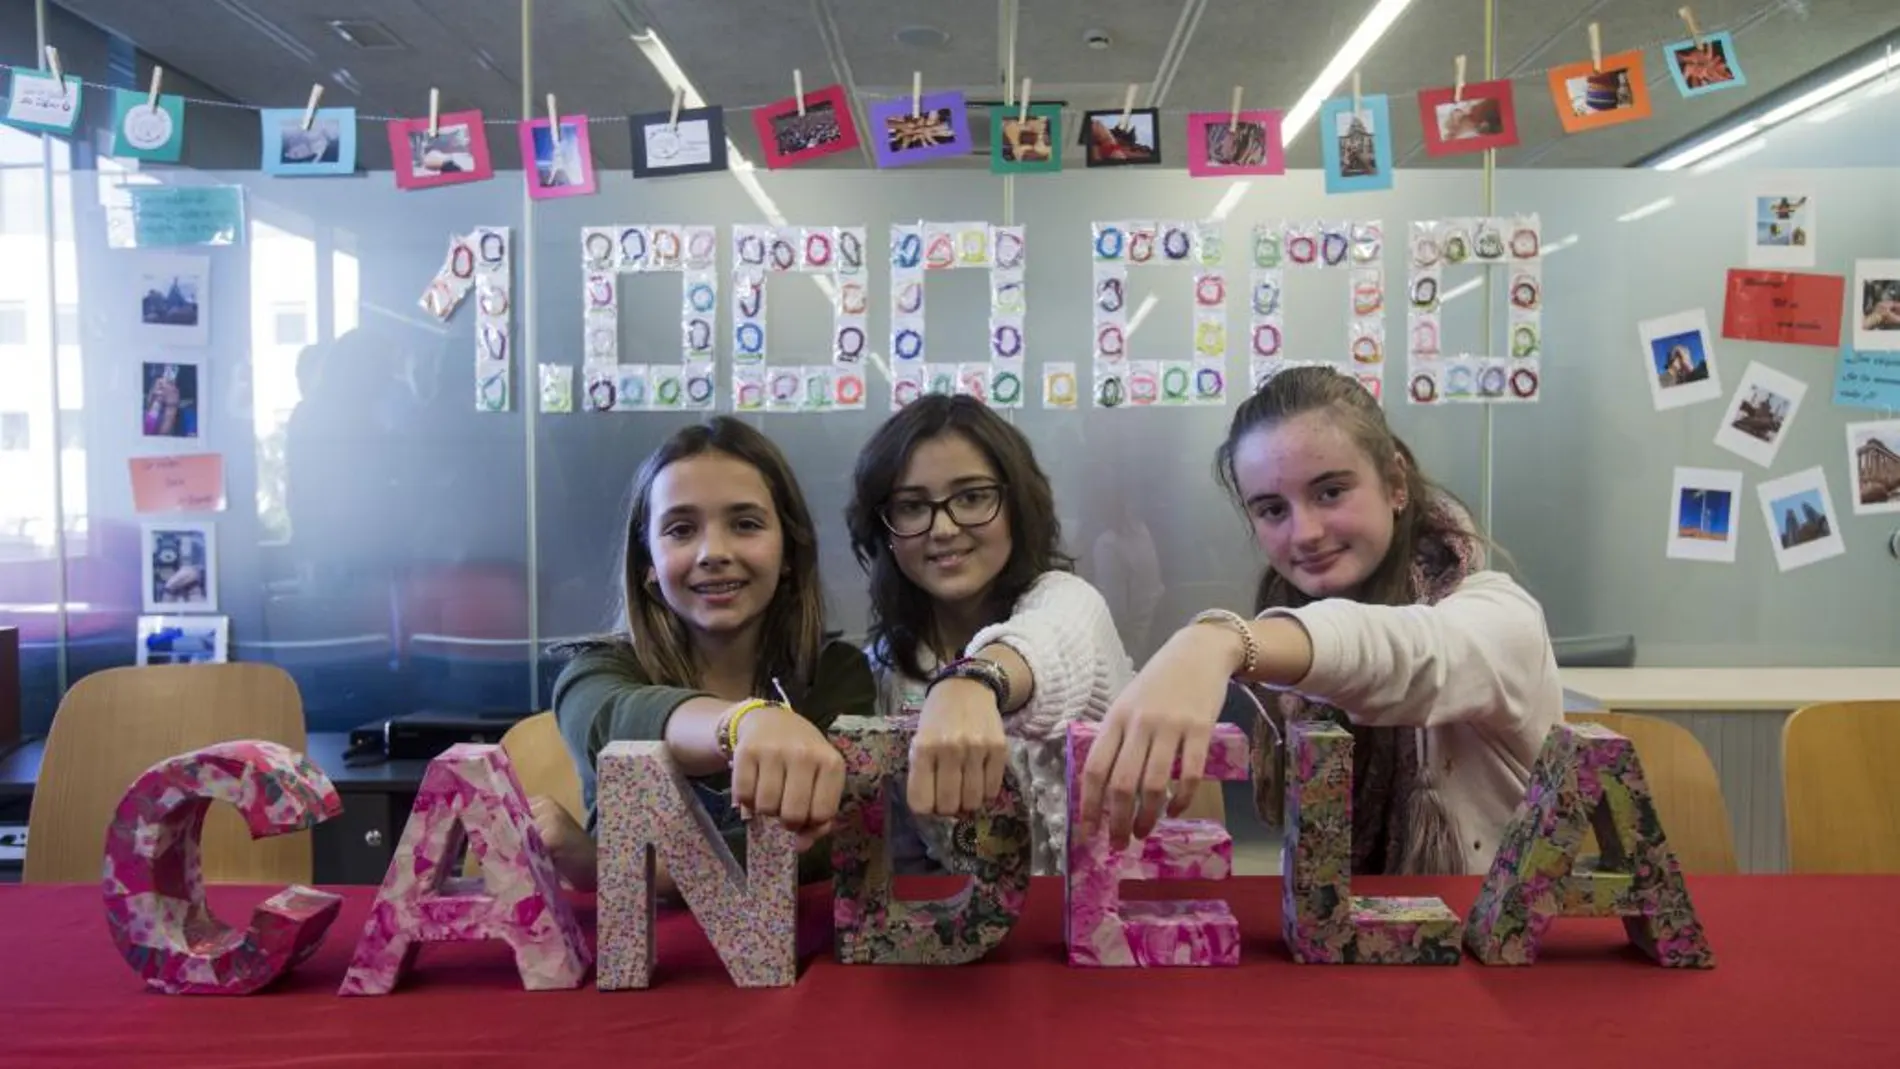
450,148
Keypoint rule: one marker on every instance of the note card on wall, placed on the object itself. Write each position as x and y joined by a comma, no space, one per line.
154,217
193,483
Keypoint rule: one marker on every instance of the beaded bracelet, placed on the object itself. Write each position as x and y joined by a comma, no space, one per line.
1233,622
727,729
981,670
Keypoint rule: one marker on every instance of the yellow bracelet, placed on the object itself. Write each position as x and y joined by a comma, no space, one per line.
729,738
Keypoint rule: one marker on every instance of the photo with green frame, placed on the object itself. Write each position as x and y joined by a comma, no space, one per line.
1025,147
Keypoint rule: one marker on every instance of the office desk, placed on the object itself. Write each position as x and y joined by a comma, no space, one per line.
1802,978
353,848
1639,690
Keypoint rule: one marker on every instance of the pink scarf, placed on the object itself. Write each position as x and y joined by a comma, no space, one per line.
1399,821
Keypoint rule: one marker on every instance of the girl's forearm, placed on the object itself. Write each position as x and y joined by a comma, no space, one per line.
692,736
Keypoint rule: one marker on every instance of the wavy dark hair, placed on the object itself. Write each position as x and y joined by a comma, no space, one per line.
792,633
900,610
1297,391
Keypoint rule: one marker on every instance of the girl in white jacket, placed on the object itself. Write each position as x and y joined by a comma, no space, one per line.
1375,611
978,626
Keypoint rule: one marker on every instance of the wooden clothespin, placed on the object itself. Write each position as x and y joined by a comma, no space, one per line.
1596,48
52,64
1355,91
151,98
554,121
798,90
916,93
310,109
1458,82
679,97
1688,19
1023,114
1128,107
1233,114
435,108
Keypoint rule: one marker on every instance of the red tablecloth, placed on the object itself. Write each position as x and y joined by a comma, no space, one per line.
1805,977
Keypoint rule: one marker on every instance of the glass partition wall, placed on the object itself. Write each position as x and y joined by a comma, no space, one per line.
396,549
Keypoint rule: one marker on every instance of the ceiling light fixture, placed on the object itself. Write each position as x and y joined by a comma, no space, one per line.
1747,128
1350,56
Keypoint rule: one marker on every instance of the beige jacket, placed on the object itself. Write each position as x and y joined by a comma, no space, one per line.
1475,672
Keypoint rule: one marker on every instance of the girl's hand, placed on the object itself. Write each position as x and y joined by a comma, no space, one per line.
569,846
1168,710
959,752
783,767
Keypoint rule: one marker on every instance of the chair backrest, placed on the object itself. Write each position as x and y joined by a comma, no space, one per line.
534,746
115,724
1839,762
1683,783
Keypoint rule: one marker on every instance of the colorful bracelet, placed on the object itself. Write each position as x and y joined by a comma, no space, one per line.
600,248
784,257
984,671
850,389
727,730
909,251
631,253
666,246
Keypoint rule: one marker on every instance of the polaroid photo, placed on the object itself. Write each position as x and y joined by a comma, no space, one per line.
171,399
1704,66
790,136
184,640
1877,305
902,134
1109,141
1356,144
1702,506
179,567
1483,117
143,132
1025,143
1801,519
38,103
1222,144
1781,223
457,152
1679,360
1588,98
1873,455
1759,414
696,144
290,151
557,164
174,295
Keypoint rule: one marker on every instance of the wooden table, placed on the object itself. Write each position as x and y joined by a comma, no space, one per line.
1635,690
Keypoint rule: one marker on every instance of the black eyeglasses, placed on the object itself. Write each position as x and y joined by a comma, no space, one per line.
974,506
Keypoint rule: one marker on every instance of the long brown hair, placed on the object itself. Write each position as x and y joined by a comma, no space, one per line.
792,633
901,615
1297,391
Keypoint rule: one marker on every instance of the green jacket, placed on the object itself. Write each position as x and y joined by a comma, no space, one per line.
602,697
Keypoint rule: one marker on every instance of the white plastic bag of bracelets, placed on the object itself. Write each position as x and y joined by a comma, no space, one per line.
1366,342
557,388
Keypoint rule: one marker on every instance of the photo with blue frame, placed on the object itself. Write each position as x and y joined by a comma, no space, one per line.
1356,144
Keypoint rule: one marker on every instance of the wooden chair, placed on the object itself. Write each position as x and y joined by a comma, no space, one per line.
1683,782
113,725
534,746
1838,787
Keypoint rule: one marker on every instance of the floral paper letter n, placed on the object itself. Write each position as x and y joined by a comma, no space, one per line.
648,813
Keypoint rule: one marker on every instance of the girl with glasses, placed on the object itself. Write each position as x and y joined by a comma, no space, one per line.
979,628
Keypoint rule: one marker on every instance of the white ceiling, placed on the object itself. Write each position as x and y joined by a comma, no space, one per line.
742,52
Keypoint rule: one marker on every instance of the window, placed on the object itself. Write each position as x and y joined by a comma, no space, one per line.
68,324
15,432
290,326
72,430
12,323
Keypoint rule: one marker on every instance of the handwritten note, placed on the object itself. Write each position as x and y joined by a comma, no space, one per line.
167,216
37,102
1867,380
1784,306
192,483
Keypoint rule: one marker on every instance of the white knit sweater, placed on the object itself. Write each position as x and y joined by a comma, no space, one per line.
1473,673
1062,629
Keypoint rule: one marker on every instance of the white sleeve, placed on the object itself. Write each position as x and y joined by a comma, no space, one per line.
1480,654
1063,631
